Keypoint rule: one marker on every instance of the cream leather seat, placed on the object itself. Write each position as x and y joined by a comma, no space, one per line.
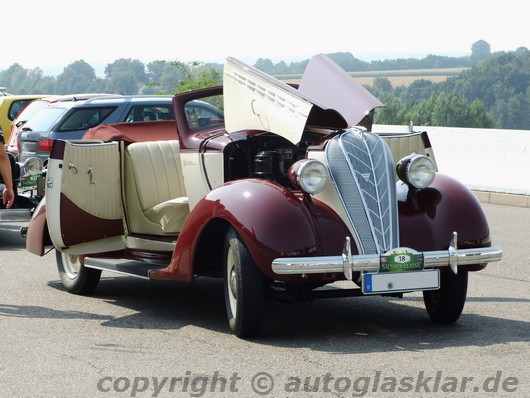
155,195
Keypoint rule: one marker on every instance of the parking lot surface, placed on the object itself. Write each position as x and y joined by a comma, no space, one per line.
135,338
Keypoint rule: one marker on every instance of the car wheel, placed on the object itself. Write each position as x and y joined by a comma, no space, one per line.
243,288
74,276
445,305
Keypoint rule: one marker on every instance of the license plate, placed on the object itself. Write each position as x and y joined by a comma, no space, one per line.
396,282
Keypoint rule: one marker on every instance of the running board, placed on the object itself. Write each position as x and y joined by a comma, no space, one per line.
15,215
124,266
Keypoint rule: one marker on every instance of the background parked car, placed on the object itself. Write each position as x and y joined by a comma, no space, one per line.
10,107
30,109
68,120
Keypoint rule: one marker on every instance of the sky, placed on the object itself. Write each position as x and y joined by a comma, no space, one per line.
55,33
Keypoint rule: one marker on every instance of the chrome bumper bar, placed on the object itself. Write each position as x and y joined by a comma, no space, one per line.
348,263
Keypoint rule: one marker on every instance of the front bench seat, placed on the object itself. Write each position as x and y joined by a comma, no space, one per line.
155,195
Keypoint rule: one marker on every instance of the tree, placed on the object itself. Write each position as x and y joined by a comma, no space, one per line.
391,113
381,87
19,80
513,113
123,82
265,65
444,109
125,76
163,76
480,50
479,118
197,75
420,90
348,62
281,68
496,89
78,77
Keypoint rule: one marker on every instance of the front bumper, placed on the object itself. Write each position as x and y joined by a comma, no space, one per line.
348,263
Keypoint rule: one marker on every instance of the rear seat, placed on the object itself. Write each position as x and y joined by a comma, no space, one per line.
155,195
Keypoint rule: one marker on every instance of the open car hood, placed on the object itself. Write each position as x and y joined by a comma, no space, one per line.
326,97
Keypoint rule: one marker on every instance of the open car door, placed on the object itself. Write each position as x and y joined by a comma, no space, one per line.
84,208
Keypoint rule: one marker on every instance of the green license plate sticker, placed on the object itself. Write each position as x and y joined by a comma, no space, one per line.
401,259
29,180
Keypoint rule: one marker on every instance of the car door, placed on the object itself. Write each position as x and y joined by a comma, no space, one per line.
84,207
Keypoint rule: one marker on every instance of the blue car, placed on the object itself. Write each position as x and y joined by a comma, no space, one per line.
71,117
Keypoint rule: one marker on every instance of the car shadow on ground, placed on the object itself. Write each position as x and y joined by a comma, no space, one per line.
161,305
344,325
376,324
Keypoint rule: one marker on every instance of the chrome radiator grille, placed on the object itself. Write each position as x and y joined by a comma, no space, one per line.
361,166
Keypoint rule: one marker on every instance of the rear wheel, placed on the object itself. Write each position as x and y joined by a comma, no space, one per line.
75,277
445,305
243,288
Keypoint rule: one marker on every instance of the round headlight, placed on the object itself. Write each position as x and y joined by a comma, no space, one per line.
32,166
310,176
416,170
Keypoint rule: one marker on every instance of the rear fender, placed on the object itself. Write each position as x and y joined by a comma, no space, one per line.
37,237
272,221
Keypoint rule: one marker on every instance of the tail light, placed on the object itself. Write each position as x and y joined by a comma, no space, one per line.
45,145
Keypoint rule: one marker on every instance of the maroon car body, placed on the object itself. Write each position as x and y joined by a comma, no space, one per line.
282,192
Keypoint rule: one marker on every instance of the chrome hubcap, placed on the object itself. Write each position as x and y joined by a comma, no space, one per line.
231,276
233,283
71,265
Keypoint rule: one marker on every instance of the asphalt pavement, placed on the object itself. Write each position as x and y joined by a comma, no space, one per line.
136,338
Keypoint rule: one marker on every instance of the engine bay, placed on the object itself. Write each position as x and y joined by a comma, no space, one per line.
266,156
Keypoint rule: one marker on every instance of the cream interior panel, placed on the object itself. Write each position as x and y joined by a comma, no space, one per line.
91,178
403,145
197,184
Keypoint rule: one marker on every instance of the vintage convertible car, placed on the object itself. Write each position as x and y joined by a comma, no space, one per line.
285,193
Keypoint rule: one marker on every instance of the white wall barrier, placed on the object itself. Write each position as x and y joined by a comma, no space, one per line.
483,159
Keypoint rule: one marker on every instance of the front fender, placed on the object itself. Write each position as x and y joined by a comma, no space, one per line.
37,237
272,221
428,217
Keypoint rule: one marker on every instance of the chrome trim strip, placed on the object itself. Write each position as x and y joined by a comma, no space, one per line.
348,263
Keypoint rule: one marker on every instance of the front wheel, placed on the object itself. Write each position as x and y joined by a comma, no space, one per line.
243,288
75,277
445,305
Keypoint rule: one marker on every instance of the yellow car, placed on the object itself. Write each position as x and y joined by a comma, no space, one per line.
10,106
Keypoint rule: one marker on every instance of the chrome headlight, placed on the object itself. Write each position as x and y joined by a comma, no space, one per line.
310,176
32,166
416,170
